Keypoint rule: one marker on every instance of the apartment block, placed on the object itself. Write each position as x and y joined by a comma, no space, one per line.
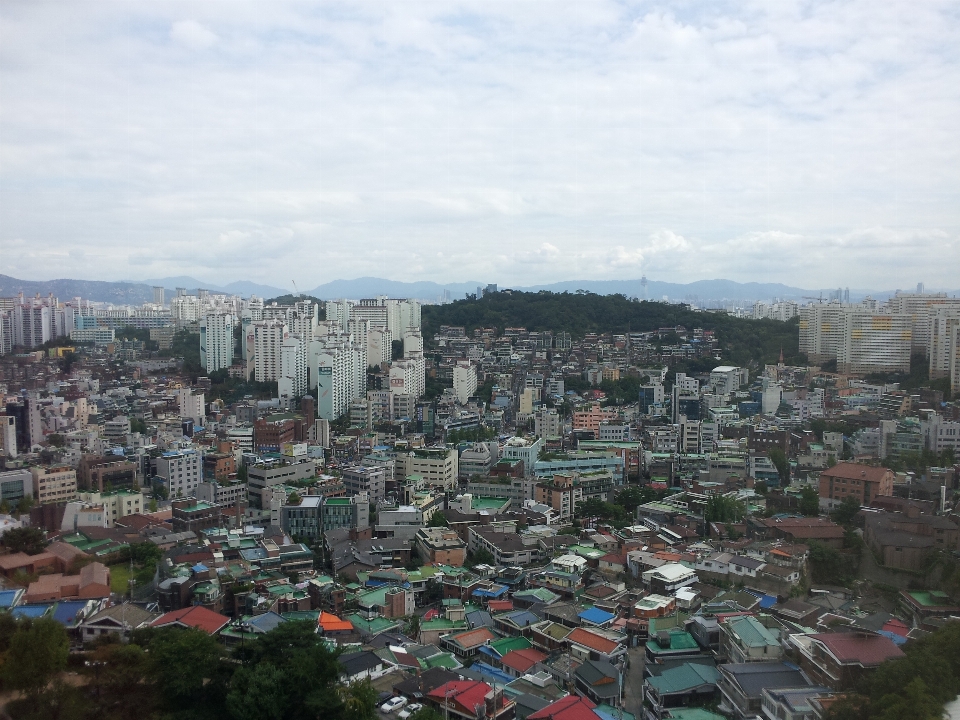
54,484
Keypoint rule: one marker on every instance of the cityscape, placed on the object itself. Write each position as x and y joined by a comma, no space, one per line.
553,519
479,361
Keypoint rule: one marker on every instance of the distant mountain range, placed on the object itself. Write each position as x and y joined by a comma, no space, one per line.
702,292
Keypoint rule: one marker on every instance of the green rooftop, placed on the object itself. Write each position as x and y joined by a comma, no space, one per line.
488,503
930,598
198,506
338,501
510,644
374,627
679,640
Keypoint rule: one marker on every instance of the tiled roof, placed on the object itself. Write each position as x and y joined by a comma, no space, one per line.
522,660
195,616
592,640
571,707
859,647
464,694
328,622
473,638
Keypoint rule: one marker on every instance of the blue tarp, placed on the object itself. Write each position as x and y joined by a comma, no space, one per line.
30,611
65,612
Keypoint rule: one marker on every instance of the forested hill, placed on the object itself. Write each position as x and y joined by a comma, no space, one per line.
741,341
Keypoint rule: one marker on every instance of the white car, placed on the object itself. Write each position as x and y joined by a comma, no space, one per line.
409,710
392,704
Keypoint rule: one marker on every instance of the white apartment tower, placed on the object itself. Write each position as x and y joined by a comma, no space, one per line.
874,342
216,340
268,345
943,321
464,380
292,382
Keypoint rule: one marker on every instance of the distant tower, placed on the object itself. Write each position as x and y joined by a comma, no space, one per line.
157,295
919,288
846,295
781,357
643,285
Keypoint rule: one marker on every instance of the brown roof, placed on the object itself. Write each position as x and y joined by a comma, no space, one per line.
65,551
19,560
592,640
859,647
195,616
94,573
473,638
856,471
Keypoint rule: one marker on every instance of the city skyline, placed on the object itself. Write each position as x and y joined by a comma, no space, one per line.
812,145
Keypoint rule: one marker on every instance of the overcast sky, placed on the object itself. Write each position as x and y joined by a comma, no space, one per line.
816,144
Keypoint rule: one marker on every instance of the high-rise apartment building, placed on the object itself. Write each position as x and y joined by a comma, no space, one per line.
874,342
943,321
268,347
216,340
921,307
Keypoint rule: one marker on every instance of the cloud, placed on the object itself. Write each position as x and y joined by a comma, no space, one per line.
516,143
192,34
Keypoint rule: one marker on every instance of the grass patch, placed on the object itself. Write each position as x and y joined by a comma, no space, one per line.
120,578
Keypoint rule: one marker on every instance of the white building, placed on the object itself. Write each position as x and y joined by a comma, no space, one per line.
872,342
268,345
727,379
191,405
943,321
547,423
464,380
181,472
338,372
292,382
216,340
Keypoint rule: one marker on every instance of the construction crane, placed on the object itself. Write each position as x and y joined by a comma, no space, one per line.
810,297
296,289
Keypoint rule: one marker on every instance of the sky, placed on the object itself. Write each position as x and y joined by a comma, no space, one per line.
814,144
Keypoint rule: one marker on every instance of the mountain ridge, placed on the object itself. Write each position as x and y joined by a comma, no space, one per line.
698,291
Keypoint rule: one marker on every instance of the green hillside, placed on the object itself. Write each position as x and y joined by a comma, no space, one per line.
743,342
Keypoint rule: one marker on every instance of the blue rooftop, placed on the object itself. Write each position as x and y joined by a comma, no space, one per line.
596,616
65,612
31,611
199,568
489,672
522,618
9,597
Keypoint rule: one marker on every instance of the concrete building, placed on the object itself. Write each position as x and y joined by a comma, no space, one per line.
943,324
267,474
268,345
547,423
464,380
216,340
438,467
8,436
192,405
862,482
562,493
440,546
874,342
181,472
364,479
54,484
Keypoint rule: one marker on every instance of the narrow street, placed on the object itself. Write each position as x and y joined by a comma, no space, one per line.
633,683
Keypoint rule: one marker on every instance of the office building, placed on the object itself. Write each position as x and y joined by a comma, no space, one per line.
464,380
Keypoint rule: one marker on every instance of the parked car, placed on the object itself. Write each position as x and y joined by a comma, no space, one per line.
392,704
409,710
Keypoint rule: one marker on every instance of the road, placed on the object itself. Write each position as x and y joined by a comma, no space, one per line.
633,683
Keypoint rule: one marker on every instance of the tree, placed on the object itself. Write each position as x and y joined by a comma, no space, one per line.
56,440
360,701
29,540
779,460
186,668
438,520
482,557
120,690
38,652
724,509
809,502
760,487
846,511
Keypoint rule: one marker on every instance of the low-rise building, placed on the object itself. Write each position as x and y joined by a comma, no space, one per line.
440,546
54,484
